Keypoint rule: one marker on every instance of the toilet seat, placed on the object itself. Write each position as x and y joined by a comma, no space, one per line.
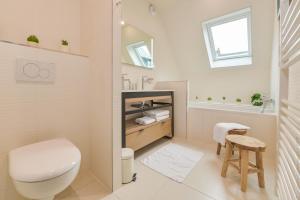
43,161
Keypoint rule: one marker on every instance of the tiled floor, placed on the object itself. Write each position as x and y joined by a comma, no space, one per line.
203,183
85,187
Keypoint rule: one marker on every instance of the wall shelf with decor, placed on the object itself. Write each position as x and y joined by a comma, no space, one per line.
43,48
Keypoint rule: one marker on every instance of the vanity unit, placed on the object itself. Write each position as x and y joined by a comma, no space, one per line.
134,104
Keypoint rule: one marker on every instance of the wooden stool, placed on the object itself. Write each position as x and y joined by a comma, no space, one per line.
245,144
231,132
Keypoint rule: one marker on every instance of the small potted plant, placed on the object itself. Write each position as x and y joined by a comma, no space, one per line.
224,99
33,40
238,100
209,99
64,46
256,99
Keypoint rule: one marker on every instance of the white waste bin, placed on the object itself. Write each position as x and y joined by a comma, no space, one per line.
128,174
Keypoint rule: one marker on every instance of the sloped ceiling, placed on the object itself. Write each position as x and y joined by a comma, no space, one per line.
183,23
162,5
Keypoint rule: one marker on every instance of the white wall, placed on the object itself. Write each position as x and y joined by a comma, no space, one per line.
136,13
96,42
183,23
51,21
87,25
275,70
32,112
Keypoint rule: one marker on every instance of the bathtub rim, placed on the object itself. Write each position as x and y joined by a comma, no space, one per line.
202,106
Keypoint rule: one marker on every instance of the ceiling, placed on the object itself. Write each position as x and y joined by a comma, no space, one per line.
162,4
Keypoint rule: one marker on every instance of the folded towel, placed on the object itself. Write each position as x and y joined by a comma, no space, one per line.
157,113
221,130
144,120
162,118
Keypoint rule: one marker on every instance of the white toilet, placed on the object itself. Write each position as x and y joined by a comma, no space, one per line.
42,170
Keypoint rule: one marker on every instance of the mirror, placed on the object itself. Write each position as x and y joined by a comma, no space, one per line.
137,47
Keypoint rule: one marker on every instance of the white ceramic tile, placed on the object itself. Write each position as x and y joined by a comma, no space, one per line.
178,191
204,181
111,197
2,197
206,178
31,112
82,180
92,191
146,186
67,194
3,171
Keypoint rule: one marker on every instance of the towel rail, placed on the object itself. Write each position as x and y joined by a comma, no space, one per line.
289,12
292,19
292,116
289,52
291,39
295,105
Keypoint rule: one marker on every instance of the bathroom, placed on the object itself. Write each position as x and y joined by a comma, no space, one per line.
76,108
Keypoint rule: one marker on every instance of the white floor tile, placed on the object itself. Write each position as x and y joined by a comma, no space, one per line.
203,183
146,186
177,191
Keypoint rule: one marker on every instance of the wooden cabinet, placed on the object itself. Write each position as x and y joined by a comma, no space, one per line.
137,136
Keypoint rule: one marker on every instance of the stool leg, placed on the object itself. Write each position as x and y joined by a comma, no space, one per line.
260,173
226,159
240,160
244,169
219,148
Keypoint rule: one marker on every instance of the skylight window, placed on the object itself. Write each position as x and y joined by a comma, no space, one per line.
228,39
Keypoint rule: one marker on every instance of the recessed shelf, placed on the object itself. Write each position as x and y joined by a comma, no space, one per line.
43,48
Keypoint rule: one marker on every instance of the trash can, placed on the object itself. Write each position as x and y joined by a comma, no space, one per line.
127,165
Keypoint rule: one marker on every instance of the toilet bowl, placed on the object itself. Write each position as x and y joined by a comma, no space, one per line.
42,170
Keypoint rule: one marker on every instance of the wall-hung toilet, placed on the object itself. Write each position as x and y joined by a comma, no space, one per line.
42,170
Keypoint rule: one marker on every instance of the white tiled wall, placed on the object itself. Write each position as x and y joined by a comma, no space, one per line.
31,112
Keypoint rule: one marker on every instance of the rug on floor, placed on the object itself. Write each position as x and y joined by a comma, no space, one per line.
174,161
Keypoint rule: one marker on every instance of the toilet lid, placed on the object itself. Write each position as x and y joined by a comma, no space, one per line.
43,160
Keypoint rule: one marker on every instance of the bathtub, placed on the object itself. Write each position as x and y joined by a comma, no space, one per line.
248,108
202,117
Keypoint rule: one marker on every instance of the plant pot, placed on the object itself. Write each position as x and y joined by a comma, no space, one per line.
64,48
33,44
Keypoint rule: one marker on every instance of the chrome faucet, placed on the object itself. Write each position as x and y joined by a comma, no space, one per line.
146,79
125,80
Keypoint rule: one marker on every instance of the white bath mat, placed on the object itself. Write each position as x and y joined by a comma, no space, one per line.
173,161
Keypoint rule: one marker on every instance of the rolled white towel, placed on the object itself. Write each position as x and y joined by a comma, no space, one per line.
221,130
144,120
162,118
157,113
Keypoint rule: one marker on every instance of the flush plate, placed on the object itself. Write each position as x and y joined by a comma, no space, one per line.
34,71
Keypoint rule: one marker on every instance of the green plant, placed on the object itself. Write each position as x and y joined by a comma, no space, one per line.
64,42
256,99
224,98
238,100
33,38
209,99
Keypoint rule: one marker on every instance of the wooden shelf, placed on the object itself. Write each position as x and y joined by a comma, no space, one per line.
132,126
143,99
134,111
137,136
